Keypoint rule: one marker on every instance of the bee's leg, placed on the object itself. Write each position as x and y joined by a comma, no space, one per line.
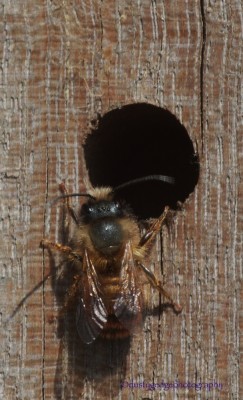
68,251
150,234
145,242
72,256
71,211
154,282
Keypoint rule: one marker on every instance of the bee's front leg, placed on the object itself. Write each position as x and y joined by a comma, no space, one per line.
68,251
150,234
70,296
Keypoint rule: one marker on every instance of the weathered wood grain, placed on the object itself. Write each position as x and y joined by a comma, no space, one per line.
62,63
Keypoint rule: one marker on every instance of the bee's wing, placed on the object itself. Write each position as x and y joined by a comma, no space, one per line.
128,306
91,315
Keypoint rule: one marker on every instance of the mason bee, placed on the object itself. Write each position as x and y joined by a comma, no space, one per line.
108,251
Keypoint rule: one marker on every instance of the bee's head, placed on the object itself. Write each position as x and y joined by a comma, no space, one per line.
105,229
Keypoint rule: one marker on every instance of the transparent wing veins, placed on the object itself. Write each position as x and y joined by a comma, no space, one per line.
91,315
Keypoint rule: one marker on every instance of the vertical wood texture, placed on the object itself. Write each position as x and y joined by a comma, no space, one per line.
62,62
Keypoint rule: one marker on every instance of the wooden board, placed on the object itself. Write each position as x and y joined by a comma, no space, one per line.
62,63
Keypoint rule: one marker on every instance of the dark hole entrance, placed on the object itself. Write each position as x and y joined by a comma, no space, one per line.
138,140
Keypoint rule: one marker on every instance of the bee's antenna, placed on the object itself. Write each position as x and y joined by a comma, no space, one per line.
64,196
162,178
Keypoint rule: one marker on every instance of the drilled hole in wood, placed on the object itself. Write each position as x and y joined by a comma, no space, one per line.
139,140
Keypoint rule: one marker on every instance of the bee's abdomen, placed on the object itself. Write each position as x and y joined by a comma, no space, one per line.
113,329
110,289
